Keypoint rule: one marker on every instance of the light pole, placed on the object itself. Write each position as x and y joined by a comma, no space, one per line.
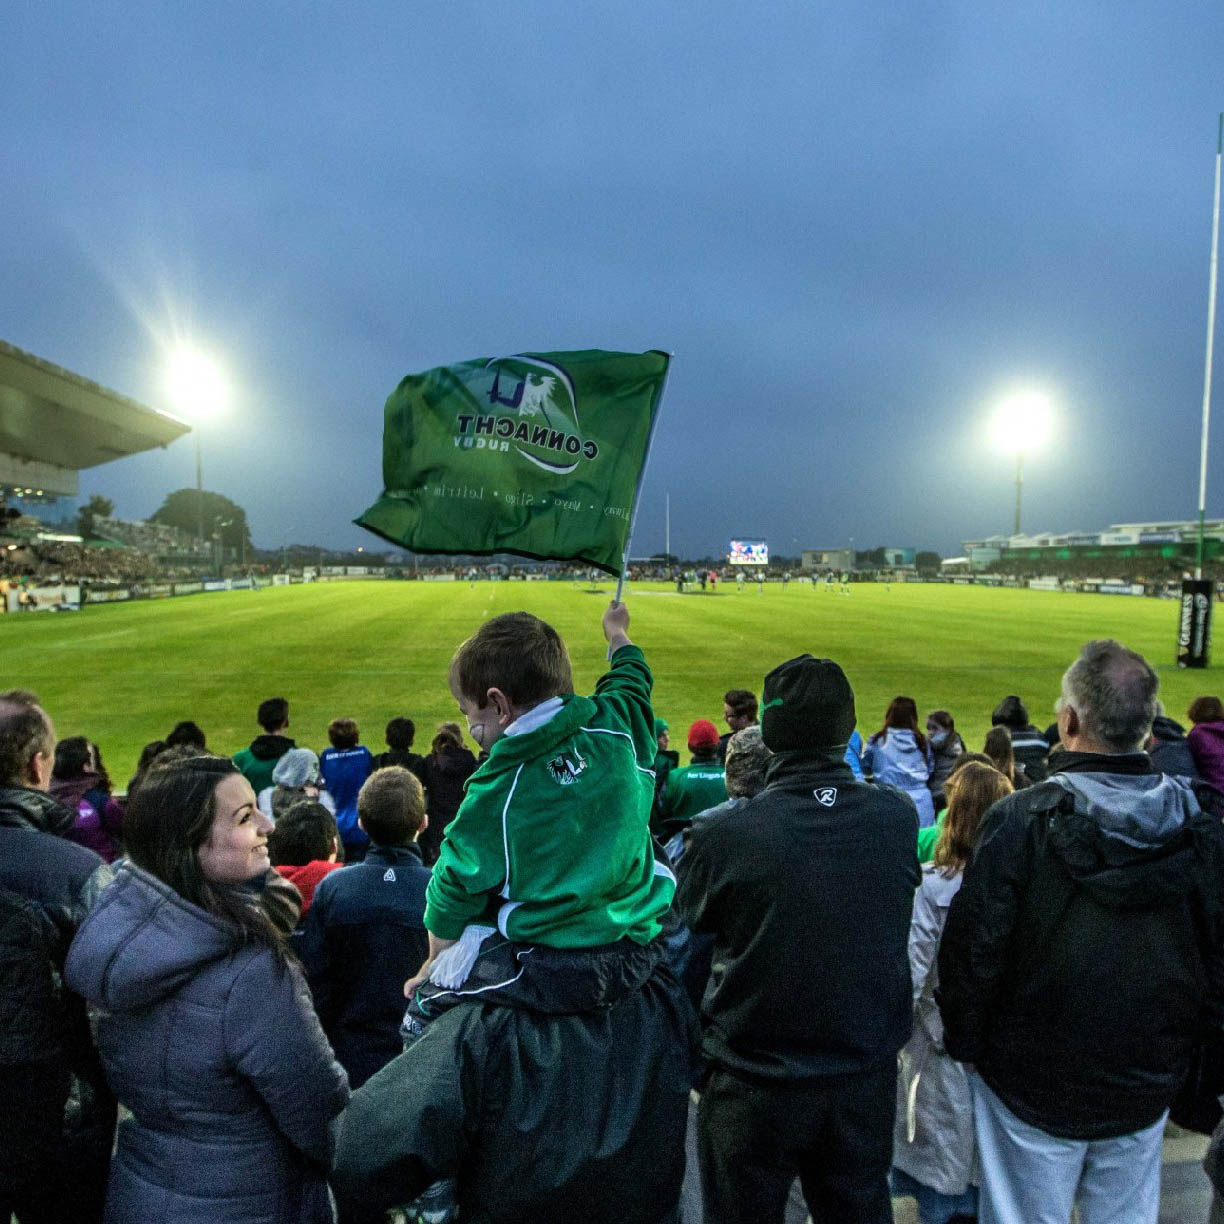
199,488
1021,422
198,391
1019,486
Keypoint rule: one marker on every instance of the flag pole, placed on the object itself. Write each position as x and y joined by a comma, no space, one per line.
637,493
1211,308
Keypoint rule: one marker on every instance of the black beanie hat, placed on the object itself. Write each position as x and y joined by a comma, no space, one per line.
808,703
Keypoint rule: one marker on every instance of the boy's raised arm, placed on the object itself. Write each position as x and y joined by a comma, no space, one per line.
616,626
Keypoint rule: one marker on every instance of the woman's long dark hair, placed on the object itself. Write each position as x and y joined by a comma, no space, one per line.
902,715
169,818
75,757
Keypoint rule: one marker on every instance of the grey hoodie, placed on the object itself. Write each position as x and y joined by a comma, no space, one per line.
1119,844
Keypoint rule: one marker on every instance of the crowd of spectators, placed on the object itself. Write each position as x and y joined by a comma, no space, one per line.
49,561
890,966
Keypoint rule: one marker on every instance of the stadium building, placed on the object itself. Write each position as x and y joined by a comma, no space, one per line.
54,424
827,559
1156,548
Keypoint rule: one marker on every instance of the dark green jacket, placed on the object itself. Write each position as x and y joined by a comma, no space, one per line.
257,762
690,790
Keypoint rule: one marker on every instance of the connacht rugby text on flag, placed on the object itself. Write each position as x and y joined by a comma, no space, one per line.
539,454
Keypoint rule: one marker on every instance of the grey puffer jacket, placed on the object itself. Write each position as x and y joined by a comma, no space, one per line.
215,1048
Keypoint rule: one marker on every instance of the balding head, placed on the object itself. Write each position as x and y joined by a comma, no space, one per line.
27,741
1108,700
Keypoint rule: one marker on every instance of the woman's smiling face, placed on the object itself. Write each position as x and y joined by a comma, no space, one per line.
237,846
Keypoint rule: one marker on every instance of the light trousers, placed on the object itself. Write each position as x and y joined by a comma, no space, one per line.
1032,1177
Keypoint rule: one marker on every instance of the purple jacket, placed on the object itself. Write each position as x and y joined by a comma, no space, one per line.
96,827
1207,748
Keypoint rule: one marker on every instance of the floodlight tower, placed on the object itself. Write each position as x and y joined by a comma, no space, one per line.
198,391
1021,422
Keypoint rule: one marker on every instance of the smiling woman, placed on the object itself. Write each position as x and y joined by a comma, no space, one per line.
185,958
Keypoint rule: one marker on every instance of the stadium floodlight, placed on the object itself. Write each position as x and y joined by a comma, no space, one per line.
1021,422
198,391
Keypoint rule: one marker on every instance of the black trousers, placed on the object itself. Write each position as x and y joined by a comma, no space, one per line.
32,1098
835,1133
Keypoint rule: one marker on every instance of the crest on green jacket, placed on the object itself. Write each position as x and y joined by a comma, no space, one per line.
564,769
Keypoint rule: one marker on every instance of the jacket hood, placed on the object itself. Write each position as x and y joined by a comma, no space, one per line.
1166,730
23,808
1010,712
452,759
512,750
270,747
141,942
901,736
939,887
803,767
307,873
1126,838
71,791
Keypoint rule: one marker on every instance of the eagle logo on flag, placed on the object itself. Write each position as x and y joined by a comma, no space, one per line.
542,392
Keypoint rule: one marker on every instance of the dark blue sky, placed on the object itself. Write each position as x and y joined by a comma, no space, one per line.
855,227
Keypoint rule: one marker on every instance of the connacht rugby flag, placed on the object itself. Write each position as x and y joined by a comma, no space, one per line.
540,454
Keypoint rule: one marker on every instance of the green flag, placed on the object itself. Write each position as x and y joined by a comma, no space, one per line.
540,454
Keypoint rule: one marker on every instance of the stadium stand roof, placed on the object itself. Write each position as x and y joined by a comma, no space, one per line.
53,423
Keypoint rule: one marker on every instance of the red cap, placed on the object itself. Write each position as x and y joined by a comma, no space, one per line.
702,734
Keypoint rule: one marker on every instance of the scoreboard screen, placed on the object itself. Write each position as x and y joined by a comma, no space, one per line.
748,552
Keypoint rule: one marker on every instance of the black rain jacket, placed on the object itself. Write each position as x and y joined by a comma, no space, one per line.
808,890
1084,953
577,1116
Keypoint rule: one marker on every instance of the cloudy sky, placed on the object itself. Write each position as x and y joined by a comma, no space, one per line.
856,226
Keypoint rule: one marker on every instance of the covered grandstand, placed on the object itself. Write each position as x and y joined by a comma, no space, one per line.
1155,550
53,425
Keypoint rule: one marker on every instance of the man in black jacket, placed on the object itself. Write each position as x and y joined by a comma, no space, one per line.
1082,957
807,889
52,1167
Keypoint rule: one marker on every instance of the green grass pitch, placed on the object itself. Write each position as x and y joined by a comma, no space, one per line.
124,674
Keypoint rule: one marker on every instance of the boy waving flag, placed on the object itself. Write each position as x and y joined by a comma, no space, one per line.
539,454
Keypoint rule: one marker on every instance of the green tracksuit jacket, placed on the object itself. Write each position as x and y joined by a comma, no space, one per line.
693,789
552,840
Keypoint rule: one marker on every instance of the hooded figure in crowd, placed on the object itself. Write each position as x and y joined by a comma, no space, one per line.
1029,744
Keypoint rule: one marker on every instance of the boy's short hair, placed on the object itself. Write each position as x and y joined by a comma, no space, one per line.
517,653
305,834
189,733
391,806
742,702
400,734
343,733
273,714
